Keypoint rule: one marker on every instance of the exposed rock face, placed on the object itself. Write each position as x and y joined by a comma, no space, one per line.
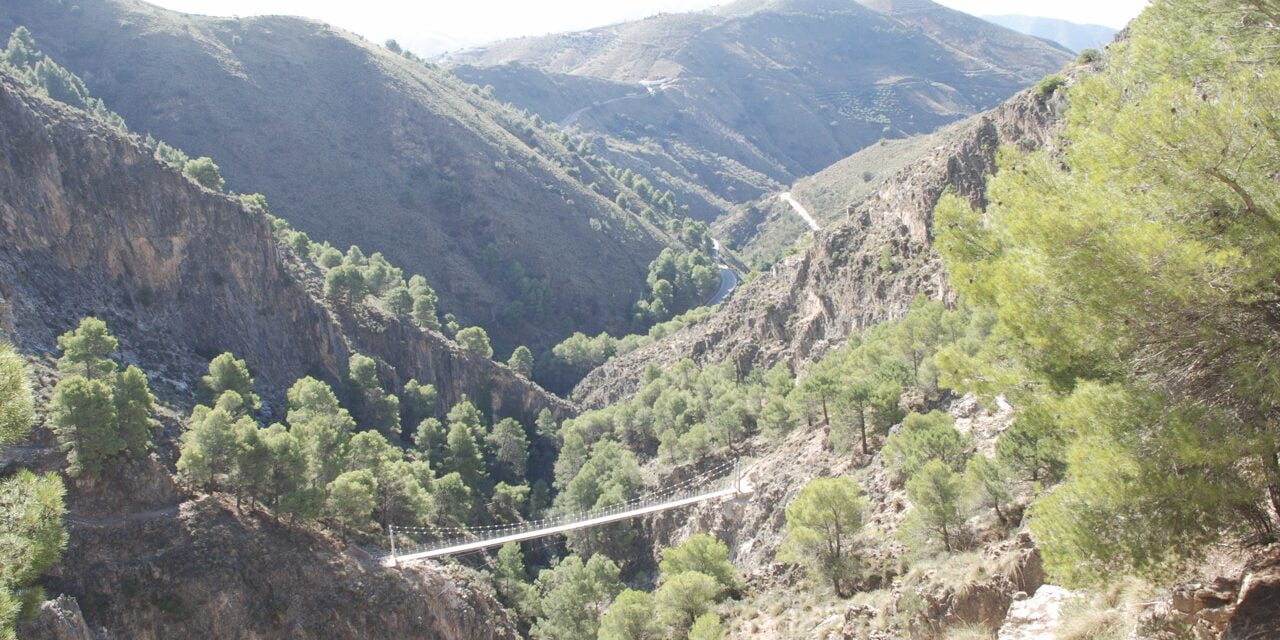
93,225
146,562
58,619
839,286
1243,606
1035,617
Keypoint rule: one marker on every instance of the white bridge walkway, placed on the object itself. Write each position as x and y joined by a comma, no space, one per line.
721,481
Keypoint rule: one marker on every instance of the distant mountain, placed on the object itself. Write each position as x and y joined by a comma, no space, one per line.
1071,35
355,144
727,105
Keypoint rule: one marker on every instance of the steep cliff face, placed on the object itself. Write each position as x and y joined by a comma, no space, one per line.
860,271
143,561
93,225
355,144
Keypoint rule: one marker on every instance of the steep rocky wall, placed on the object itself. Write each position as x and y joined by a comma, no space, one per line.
838,285
93,225
144,561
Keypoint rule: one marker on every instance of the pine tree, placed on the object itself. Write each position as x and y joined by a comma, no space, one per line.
17,410
702,553
31,512
509,449
87,350
573,595
987,483
453,499
464,458
352,499
345,283
399,302
205,173
322,429
822,524
935,490
925,437
683,597
630,617
476,340
134,405
226,373
432,440
209,449
84,420
374,407
522,361
707,627
417,402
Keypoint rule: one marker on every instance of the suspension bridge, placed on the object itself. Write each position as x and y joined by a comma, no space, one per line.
723,480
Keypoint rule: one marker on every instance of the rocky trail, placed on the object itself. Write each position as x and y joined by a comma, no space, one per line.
799,209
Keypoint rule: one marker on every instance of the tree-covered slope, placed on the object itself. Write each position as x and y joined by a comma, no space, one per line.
1078,440
355,144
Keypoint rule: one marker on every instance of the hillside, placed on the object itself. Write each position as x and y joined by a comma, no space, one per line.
354,144
95,225
763,231
862,269
1054,440
743,100
184,273
1013,378
1074,36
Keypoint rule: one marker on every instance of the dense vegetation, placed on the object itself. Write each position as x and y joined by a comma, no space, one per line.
1134,284
565,365
31,506
98,410
349,467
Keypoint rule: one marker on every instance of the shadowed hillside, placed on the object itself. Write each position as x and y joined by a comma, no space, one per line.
357,145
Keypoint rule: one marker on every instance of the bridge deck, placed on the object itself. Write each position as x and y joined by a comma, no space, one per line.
570,526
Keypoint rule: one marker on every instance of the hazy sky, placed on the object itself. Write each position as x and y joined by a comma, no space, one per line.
428,26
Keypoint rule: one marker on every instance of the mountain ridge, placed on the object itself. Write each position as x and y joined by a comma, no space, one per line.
735,104
1072,35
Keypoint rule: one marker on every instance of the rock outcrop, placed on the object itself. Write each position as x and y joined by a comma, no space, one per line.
93,225
144,560
58,619
1238,606
862,271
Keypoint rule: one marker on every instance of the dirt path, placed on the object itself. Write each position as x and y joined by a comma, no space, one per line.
573,117
799,209
167,511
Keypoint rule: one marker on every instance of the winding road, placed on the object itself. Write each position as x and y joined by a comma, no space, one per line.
728,279
573,117
799,209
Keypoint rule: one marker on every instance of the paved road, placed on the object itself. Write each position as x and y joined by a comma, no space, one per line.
728,279
799,209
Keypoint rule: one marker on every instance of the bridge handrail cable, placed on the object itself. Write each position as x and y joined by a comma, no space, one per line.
453,536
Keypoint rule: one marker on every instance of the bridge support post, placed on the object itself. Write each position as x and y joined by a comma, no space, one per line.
391,532
737,476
